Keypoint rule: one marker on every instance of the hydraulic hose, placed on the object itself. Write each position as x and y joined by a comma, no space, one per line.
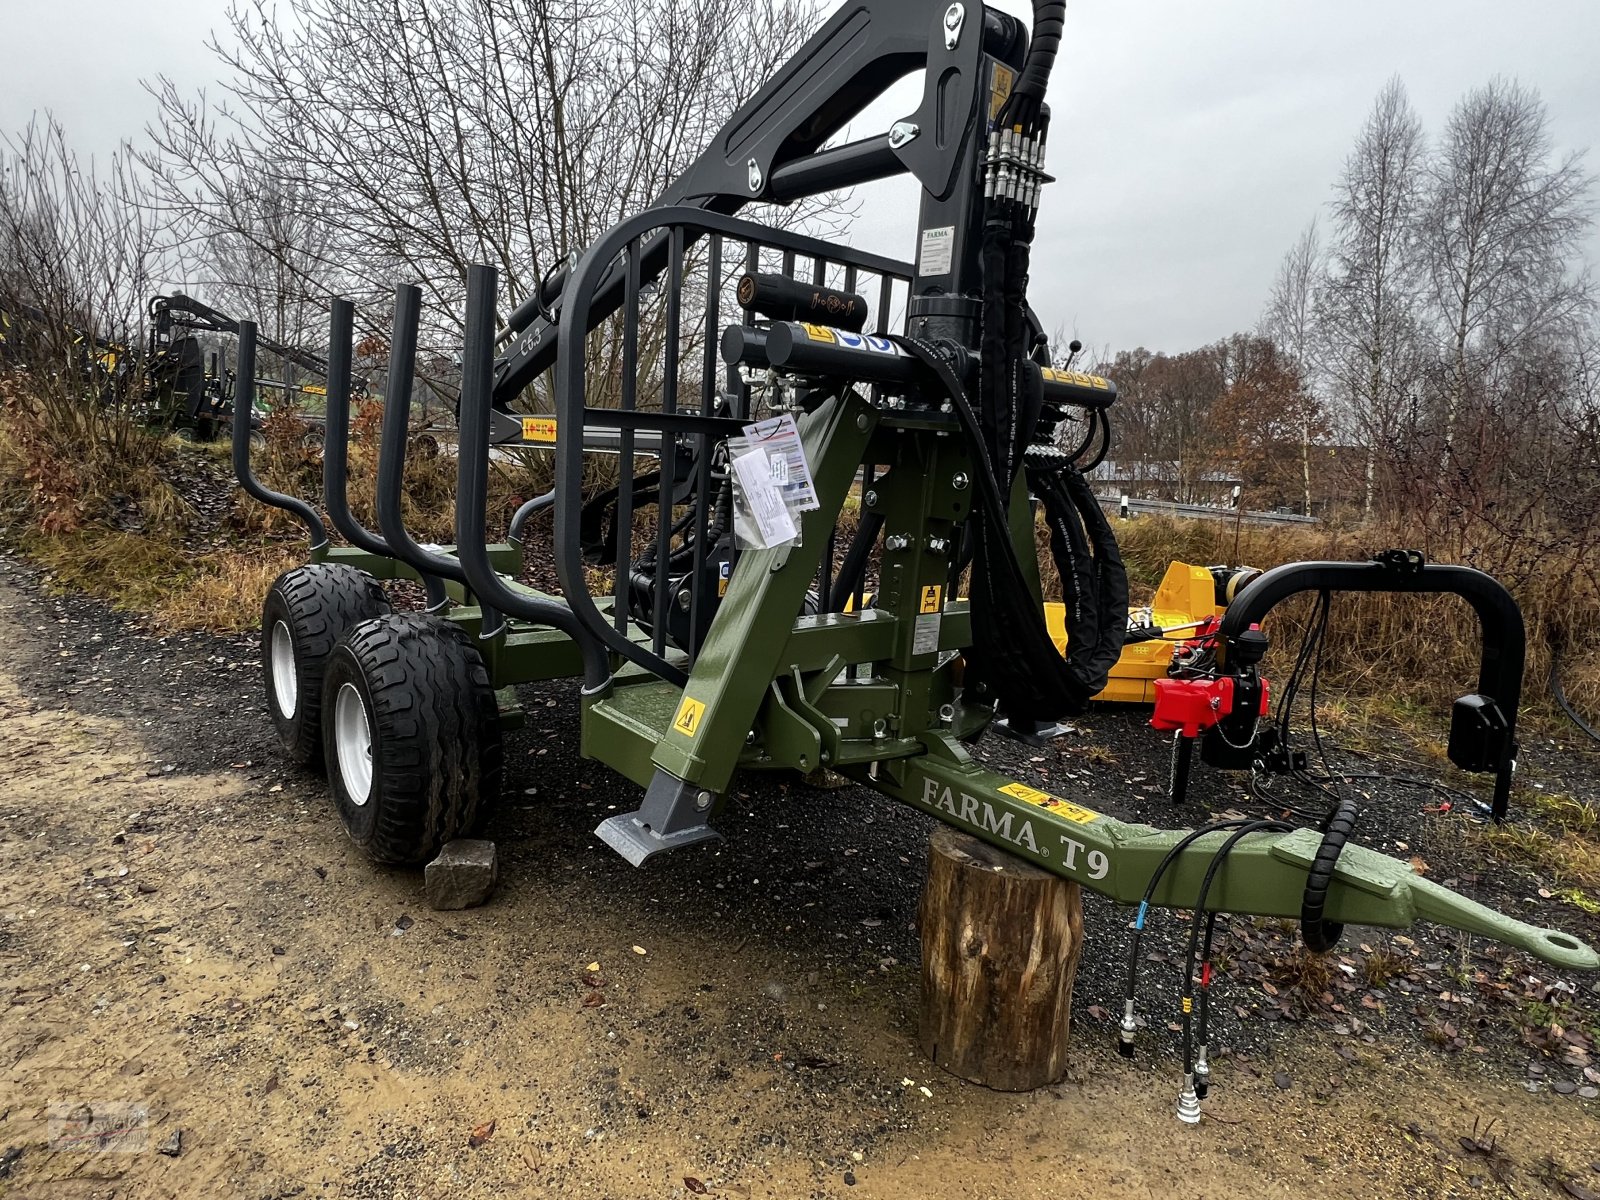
1128,1027
1560,694
1188,1098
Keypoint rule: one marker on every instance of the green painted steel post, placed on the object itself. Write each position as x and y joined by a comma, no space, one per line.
744,650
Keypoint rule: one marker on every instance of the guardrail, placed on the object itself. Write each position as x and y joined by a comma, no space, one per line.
1127,506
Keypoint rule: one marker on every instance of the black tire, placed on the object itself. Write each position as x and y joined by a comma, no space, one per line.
432,729
1178,770
1321,935
315,605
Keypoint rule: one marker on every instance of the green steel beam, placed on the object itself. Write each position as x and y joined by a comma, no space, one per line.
745,648
1264,875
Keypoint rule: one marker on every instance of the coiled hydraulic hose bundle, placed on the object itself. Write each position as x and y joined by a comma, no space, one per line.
1012,652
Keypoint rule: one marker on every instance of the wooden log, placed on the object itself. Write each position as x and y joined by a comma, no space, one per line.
1000,946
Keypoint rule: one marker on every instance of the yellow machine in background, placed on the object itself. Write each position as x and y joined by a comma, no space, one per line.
1188,596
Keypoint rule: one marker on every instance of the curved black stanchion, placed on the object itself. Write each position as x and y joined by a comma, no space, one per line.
521,516
472,466
336,449
244,385
392,450
1489,747
581,309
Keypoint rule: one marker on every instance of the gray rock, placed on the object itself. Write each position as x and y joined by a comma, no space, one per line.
463,875
172,1146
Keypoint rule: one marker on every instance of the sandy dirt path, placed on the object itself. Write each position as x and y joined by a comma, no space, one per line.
206,948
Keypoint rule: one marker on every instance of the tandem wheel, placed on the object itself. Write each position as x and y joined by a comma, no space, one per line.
307,610
411,735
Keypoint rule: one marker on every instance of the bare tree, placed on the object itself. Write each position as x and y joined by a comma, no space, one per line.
430,134
266,258
1290,321
1502,226
1369,297
78,256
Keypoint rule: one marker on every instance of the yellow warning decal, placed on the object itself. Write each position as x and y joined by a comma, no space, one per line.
1082,379
539,429
818,333
931,597
687,722
1051,804
1001,77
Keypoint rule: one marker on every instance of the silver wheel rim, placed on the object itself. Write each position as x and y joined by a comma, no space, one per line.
285,686
352,736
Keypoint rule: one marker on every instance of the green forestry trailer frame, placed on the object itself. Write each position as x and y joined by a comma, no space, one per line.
703,653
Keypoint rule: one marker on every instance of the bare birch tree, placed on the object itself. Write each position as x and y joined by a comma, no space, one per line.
265,261
1290,321
430,134
1369,309
1502,226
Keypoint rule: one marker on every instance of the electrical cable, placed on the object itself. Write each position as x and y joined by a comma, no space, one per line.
1560,694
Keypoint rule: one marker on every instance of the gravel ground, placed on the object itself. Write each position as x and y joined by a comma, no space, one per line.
763,1043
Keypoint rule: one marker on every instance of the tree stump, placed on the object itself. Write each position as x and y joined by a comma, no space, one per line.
1000,945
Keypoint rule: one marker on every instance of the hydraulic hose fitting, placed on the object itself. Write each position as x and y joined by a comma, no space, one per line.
1188,1102
1125,1030
1202,1073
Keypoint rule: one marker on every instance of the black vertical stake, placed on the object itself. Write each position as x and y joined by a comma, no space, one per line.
629,402
708,399
243,404
336,447
392,449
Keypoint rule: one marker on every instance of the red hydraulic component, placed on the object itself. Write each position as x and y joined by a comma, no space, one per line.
1195,705
1191,705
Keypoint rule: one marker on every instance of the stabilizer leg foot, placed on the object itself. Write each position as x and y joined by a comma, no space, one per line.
672,815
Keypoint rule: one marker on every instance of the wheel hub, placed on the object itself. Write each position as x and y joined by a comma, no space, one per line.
352,733
285,682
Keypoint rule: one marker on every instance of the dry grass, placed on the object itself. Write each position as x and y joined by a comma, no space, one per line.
1380,966
139,573
1415,652
1556,834
1399,658
224,592
1310,973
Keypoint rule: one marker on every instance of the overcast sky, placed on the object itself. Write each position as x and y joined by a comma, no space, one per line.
1192,141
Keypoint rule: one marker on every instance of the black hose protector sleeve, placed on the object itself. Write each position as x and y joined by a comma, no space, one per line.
1026,386
1012,648
1111,578
854,569
995,415
1069,546
1321,935
1027,97
1095,588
